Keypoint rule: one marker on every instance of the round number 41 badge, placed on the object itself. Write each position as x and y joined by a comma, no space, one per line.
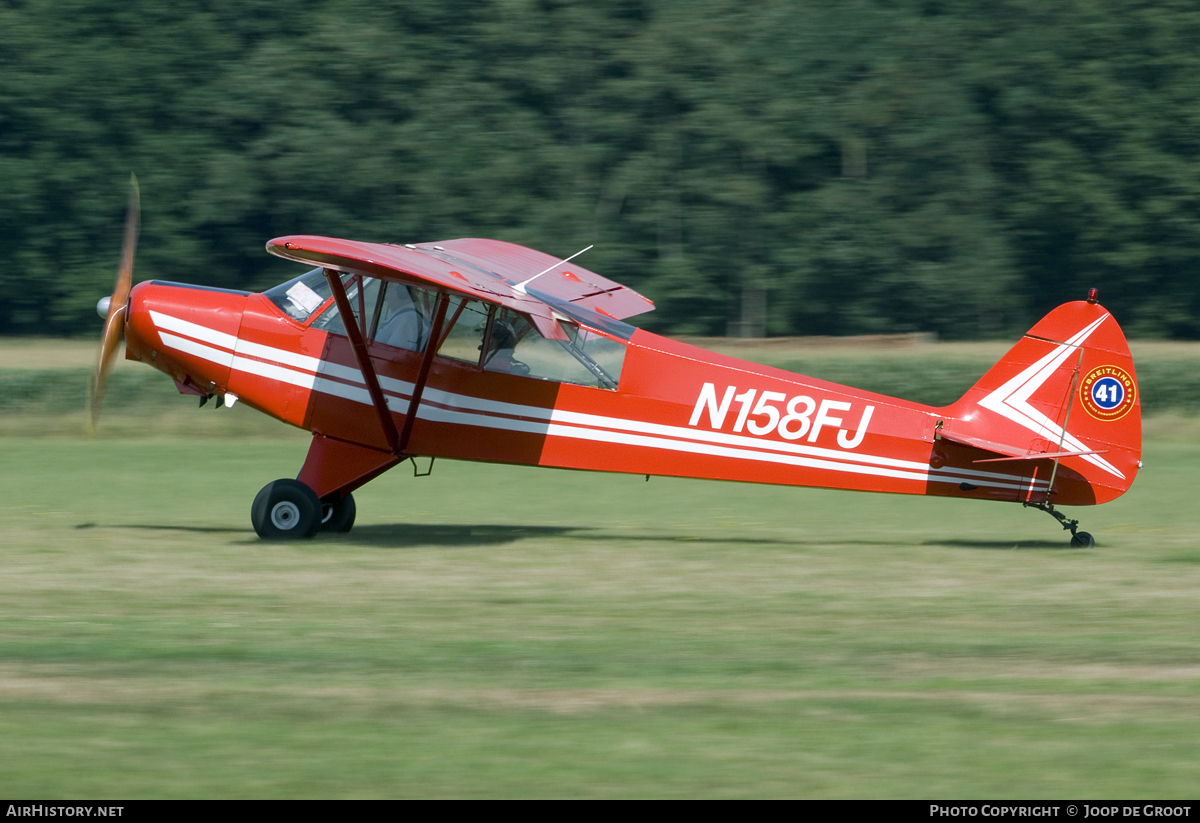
1108,392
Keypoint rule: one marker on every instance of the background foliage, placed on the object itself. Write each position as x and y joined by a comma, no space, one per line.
826,167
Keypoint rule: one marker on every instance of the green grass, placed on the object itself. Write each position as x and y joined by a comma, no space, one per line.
501,631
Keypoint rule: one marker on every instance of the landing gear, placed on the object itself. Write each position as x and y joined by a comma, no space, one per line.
1079,540
338,515
287,510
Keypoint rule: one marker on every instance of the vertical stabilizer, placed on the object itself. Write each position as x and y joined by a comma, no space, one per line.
1067,390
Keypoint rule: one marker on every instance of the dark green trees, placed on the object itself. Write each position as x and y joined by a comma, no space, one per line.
755,167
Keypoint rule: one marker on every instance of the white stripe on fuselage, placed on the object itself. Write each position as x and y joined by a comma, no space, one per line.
447,407
221,358
166,321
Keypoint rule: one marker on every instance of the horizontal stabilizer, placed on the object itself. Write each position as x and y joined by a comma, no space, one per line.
1040,456
1011,452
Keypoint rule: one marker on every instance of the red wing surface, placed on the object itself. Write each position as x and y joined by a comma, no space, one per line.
488,270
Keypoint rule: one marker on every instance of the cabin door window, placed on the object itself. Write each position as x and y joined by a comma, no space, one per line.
463,340
586,358
405,316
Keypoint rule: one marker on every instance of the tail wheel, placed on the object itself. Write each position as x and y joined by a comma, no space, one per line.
286,510
1079,540
338,515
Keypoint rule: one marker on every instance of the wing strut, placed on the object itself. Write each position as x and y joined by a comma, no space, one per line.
431,347
364,361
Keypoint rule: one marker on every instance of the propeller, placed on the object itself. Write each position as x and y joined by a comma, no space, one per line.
113,309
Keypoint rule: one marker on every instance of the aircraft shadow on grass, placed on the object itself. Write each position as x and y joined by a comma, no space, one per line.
403,535
1001,545
155,528
397,535
413,535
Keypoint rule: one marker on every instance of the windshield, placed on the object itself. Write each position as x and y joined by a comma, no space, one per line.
301,296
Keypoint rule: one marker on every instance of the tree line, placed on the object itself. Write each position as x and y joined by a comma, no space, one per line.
754,166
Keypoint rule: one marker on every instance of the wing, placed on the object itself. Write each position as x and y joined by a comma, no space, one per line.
484,269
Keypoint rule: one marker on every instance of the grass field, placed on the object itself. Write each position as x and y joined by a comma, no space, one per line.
500,631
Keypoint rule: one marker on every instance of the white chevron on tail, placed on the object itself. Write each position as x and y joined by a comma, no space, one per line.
1012,399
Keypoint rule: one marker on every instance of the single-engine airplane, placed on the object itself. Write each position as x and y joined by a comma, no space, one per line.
484,350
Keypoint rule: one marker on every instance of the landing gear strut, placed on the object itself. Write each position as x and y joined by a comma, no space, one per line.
1079,540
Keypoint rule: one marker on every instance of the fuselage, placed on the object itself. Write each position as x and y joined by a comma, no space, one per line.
675,410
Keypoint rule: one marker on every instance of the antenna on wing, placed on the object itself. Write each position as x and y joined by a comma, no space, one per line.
521,286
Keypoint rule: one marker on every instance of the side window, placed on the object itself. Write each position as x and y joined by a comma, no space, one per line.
507,331
363,294
467,321
602,357
587,358
405,316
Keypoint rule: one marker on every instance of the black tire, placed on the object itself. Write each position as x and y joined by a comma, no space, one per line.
286,510
1082,540
338,515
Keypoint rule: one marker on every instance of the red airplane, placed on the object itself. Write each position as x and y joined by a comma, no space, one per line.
484,350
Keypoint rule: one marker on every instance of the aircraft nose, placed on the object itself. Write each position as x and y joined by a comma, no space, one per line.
187,332
102,307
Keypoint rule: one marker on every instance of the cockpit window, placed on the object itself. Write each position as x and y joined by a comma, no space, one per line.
301,296
587,358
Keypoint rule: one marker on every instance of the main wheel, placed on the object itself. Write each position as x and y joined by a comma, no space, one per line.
286,509
1082,540
338,515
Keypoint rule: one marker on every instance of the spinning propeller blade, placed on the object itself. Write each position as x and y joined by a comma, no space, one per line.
115,314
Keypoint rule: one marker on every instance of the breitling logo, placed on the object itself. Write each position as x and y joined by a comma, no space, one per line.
1108,392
